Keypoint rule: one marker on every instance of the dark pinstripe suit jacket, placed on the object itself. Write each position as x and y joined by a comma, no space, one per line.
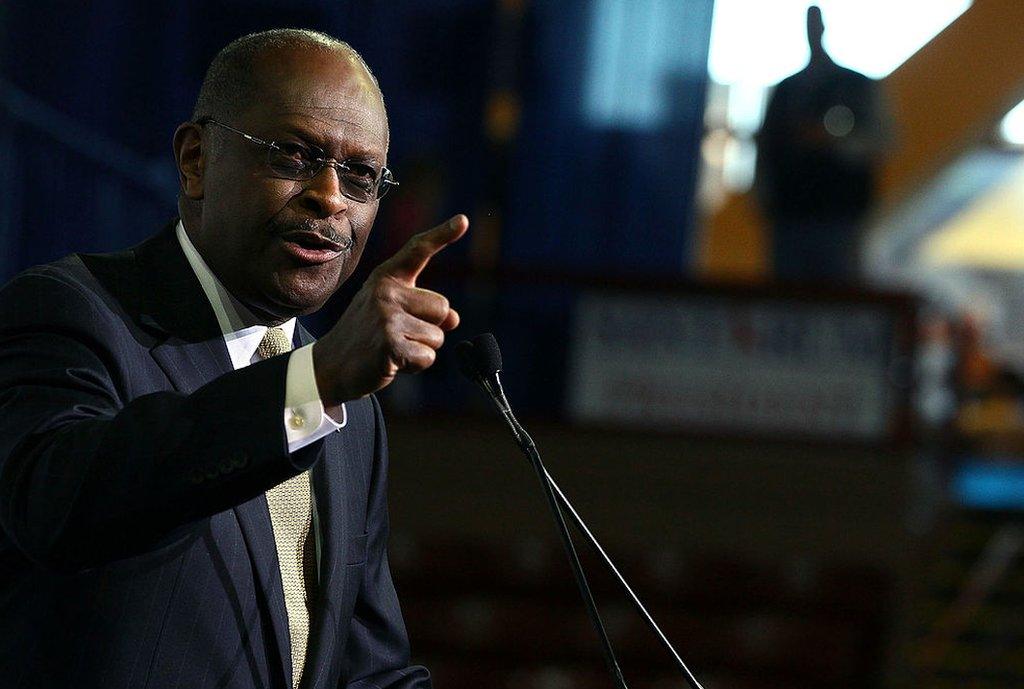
136,548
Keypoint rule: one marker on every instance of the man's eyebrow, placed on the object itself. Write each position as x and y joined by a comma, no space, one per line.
314,140
294,129
297,132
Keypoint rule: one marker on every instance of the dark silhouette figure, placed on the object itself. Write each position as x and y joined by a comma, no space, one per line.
818,149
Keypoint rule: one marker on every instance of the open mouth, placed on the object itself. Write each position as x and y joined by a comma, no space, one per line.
312,247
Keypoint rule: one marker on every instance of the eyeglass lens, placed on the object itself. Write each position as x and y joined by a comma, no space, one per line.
359,184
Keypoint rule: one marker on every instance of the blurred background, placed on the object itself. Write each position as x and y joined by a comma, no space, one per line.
760,298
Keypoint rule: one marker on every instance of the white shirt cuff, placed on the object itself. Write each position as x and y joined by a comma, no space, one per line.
305,419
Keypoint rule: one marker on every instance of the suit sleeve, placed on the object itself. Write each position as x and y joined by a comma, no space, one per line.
88,477
377,654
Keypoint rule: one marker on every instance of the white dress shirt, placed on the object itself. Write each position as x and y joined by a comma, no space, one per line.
305,419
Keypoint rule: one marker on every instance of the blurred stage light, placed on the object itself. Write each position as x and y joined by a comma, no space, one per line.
760,43
987,484
987,234
1012,127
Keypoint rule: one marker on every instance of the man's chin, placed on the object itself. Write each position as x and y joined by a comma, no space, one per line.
298,292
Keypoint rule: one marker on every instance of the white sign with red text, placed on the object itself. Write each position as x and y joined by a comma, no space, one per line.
723,365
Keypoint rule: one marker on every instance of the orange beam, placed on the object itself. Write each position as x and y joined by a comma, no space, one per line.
953,91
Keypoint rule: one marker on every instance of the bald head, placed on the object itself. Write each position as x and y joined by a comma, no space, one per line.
815,30
239,73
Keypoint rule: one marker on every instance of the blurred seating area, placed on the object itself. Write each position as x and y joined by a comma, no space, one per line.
787,574
508,615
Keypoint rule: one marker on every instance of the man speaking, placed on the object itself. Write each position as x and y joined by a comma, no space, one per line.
192,493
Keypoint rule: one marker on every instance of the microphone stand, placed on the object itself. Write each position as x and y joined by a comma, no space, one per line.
557,500
492,385
480,361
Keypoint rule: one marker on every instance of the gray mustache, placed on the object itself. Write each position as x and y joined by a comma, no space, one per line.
325,231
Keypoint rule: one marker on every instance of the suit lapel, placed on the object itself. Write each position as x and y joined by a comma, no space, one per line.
189,345
191,351
190,365
257,531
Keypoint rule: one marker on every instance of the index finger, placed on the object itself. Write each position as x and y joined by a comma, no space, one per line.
411,259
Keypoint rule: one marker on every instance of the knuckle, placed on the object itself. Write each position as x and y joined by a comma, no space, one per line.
399,363
426,358
394,323
437,308
388,365
418,357
385,291
420,242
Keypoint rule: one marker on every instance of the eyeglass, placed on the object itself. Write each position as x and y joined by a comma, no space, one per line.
292,160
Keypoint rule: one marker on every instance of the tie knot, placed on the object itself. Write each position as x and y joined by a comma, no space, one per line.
273,343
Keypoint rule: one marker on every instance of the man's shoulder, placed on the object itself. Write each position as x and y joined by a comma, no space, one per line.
93,278
111,282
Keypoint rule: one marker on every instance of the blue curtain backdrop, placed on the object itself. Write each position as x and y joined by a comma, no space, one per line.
607,164
98,88
598,178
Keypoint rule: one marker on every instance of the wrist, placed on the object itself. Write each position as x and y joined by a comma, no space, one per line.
337,412
323,379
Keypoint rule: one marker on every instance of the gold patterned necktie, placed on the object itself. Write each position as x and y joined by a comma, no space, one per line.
291,517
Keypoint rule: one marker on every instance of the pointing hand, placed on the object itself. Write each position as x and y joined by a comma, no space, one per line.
391,325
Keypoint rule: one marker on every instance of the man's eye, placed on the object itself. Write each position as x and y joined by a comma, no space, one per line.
295,152
363,175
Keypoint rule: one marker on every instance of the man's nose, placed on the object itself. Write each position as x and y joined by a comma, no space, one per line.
322,194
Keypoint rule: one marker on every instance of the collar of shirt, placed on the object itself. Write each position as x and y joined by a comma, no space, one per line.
242,331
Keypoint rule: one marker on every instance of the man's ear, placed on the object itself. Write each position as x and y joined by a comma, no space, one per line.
190,156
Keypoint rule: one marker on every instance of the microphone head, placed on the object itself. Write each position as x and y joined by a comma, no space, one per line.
478,358
486,354
465,358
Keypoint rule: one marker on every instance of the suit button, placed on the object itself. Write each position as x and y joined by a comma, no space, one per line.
212,473
195,476
238,460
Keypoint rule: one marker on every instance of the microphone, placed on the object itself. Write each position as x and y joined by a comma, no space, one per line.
479,360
